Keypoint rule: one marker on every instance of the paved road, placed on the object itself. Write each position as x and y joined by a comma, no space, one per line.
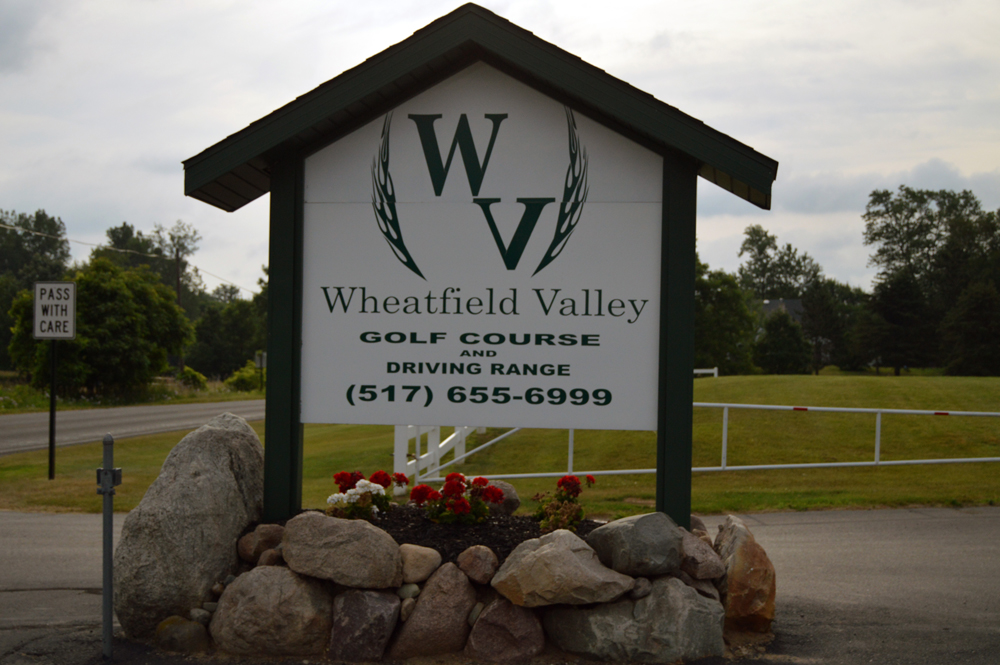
30,431
914,587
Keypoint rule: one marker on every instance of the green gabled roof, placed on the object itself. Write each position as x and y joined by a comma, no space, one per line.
236,170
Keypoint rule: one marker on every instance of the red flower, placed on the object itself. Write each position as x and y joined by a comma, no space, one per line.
453,488
382,478
422,493
434,496
590,480
400,479
346,481
570,485
480,482
493,494
454,475
460,506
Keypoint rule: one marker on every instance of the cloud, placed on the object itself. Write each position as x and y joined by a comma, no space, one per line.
18,32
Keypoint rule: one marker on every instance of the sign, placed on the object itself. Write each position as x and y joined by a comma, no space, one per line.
482,254
55,310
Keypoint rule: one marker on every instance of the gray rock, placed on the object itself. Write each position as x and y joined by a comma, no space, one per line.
200,615
705,587
349,552
439,623
640,545
406,608
418,562
699,560
210,606
264,537
698,524
176,633
505,633
559,567
179,541
643,587
408,591
672,623
363,622
271,610
479,563
511,501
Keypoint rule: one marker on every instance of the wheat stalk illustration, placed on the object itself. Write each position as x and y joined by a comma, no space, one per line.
384,202
575,190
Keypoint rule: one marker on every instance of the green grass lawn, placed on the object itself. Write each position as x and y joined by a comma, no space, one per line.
755,437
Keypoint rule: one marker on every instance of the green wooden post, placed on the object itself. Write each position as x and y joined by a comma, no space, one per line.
676,384
282,428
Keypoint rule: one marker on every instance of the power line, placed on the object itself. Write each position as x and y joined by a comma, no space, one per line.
124,251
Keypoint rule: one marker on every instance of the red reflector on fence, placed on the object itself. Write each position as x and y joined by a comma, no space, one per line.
800,408
940,413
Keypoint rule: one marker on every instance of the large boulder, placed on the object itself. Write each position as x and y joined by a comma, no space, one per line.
672,623
558,568
181,538
699,560
505,633
640,545
439,622
750,583
271,610
349,552
363,622
419,562
479,563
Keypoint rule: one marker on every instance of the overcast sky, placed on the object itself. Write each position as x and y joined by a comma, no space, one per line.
100,100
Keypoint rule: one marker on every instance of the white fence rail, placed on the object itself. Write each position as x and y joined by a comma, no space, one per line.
436,449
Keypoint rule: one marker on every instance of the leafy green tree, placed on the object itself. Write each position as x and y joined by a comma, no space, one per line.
127,323
225,293
782,348
226,336
724,325
830,311
971,331
905,334
26,258
771,272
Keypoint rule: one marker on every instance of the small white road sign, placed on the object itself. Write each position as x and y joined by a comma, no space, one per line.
55,310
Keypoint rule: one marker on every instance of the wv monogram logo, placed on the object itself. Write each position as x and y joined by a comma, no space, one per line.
574,188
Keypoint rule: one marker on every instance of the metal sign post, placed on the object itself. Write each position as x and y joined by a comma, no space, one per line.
55,319
107,479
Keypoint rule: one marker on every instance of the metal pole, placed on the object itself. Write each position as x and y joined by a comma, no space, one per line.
570,452
108,477
52,413
878,437
725,435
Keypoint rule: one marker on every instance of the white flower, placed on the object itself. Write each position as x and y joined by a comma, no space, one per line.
334,499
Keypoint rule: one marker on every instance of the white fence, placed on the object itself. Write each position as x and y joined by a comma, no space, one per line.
411,464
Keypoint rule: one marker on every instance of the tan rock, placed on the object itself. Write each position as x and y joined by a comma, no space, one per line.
270,558
558,568
349,552
271,610
750,578
406,608
439,622
479,563
419,563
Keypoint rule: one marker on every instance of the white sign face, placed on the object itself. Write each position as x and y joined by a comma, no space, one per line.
55,310
482,255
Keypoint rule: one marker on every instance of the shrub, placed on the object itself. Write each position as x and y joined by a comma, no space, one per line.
192,378
459,501
562,510
246,378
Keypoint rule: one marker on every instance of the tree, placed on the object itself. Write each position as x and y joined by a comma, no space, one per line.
225,293
770,272
723,323
226,336
127,323
830,311
782,349
971,331
905,334
26,258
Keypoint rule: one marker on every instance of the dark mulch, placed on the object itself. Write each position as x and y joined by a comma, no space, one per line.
407,524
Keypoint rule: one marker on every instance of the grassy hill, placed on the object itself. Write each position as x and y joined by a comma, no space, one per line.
755,437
